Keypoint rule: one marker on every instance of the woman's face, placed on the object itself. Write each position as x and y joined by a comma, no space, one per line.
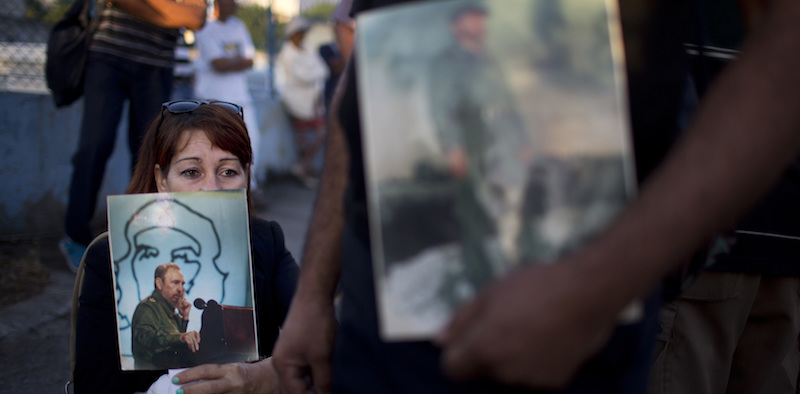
198,165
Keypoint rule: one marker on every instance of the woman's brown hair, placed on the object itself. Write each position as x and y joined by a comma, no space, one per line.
224,128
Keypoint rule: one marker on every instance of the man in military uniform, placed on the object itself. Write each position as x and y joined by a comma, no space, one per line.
160,339
484,140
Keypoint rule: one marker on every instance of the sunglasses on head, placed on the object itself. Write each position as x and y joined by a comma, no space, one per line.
184,106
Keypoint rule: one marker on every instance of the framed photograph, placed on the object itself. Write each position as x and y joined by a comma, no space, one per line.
182,272
495,134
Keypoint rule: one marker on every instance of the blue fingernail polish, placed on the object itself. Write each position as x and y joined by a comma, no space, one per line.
175,380
180,391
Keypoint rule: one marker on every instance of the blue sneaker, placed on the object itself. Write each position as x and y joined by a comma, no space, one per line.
72,251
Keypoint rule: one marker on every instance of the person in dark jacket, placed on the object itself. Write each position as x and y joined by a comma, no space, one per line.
193,146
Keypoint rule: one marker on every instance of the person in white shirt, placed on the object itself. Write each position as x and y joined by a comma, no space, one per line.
300,77
225,53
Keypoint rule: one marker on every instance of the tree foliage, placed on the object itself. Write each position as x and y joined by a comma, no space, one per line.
254,17
48,13
320,12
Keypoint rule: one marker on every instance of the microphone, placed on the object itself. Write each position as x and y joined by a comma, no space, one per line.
199,303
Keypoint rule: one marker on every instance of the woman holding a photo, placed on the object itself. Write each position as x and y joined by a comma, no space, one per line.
193,146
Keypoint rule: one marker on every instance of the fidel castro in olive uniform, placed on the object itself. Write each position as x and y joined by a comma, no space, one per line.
160,339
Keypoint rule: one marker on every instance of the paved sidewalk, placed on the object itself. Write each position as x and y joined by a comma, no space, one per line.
34,334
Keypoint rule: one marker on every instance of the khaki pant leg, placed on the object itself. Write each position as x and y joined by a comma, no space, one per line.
764,354
699,334
785,377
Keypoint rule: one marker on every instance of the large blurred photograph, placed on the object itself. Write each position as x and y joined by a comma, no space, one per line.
495,135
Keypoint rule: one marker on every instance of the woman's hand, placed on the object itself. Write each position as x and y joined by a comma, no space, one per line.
257,377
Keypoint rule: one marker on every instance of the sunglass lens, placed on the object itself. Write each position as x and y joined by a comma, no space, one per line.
183,106
229,106
178,107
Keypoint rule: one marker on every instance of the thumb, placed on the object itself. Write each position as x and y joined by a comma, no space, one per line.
458,339
458,359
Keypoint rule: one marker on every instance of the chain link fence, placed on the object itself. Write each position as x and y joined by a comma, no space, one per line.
25,26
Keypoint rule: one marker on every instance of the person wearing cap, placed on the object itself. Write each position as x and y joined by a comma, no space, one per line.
483,138
300,78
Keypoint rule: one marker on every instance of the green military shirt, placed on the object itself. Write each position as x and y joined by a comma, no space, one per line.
473,108
157,327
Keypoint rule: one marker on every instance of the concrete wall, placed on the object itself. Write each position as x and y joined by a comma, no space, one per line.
37,142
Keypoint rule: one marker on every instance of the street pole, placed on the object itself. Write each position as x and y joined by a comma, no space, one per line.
271,50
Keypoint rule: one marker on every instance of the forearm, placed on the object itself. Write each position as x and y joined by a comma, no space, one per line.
743,136
344,39
319,271
261,377
166,13
227,64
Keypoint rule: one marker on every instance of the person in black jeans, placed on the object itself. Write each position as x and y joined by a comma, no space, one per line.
131,61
